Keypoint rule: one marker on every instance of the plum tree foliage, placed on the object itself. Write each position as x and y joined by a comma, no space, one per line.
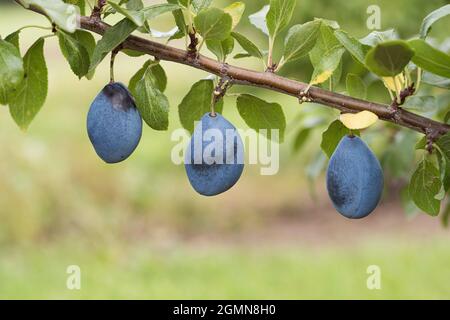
415,72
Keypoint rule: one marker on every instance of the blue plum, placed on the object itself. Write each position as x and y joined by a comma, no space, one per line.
354,178
214,159
114,124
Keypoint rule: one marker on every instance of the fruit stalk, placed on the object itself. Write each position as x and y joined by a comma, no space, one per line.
111,63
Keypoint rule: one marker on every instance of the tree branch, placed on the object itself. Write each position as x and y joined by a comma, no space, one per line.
273,82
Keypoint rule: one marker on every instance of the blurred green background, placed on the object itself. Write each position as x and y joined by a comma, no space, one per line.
138,230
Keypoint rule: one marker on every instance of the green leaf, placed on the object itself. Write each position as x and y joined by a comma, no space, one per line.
86,39
332,136
420,103
88,42
436,81
259,19
443,102
11,70
421,144
326,43
356,86
75,53
196,103
13,38
110,40
133,53
446,215
444,168
443,156
184,3
279,15
259,115
160,77
136,16
199,5
327,66
150,69
179,20
432,18
221,49
301,138
388,59
329,23
139,17
158,9
356,48
32,91
424,186
242,55
153,105
235,10
247,45
213,24
444,144
430,59
300,40
376,37
62,14
134,4
447,117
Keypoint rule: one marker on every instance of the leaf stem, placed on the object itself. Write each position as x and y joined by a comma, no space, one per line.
34,26
200,46
407,78
280,64
270,54
397,90
189,18
48,36
419,78
214,100
439,150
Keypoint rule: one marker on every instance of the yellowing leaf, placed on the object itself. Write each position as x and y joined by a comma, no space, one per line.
327,64
235,10
358,121
322,77
390,84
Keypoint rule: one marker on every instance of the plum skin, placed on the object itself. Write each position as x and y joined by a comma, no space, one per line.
354,178
210,179
114,124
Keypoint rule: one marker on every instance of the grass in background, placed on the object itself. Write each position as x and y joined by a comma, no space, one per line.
139,272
